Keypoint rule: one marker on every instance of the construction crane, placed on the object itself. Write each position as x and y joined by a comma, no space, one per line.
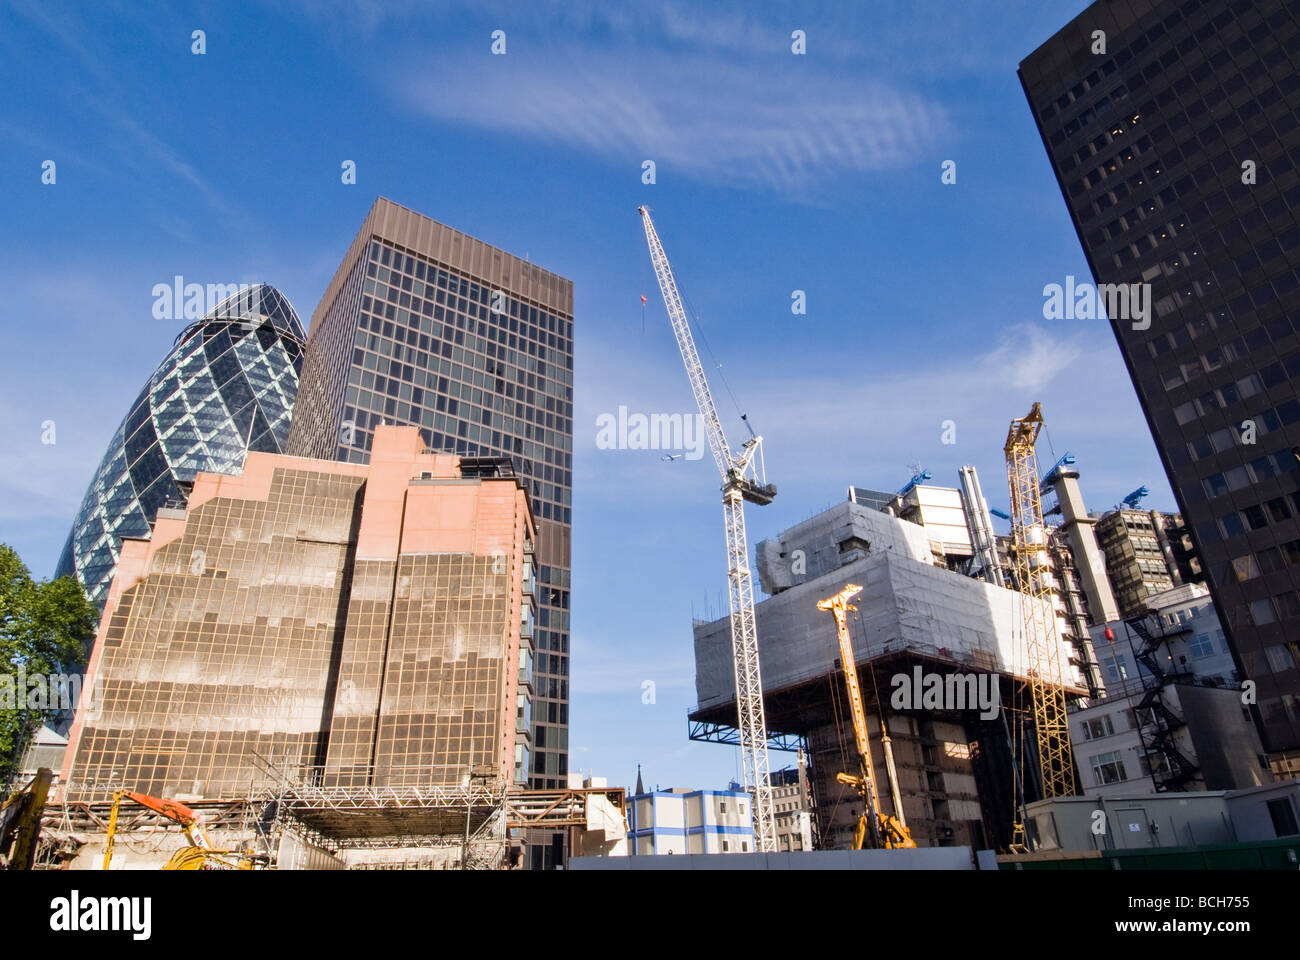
199,855
1034,578
1134,498
743,478
919,477
882,829
1067,460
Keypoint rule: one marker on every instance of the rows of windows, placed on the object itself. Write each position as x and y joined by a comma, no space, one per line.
1247,260
1266,610
479,372
1249,474
1195,110
1257,516
1275,24
533,321
1173,130
483,388
1246,347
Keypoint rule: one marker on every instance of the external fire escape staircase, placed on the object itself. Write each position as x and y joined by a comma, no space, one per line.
1156,722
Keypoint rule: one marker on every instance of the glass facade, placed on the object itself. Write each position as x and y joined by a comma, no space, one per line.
431,649
227,386
254,643
428,327
1172,127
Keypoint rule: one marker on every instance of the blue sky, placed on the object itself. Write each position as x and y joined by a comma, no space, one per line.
774,173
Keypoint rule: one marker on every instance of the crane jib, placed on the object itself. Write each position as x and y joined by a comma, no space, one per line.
737,487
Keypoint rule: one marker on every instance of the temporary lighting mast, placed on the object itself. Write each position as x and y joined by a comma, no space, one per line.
743,478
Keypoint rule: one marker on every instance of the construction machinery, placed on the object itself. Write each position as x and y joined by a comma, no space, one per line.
20,822
880,829
917,478
1067,460
199,855
1134,498
1034,578
743,478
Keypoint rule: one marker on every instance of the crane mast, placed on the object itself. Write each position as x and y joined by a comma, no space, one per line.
742,479
1033,575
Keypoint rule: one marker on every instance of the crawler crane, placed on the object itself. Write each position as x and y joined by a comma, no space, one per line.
880,829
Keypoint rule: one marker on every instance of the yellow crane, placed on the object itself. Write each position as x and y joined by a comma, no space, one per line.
1042,647
882,829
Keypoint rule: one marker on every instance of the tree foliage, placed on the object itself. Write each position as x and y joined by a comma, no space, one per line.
46,627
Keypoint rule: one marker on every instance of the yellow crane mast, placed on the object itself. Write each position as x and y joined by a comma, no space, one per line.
883,830
1034,578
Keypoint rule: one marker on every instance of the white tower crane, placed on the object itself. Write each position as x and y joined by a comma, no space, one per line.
743,478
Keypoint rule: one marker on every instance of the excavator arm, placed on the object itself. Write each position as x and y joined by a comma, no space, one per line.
173,810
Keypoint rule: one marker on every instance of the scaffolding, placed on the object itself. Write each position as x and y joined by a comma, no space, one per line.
483,816
480,818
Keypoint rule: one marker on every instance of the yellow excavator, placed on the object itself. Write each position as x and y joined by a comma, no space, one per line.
20,822
874,828
199,855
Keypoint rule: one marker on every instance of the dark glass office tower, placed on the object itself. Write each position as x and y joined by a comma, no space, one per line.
423,325
1172,127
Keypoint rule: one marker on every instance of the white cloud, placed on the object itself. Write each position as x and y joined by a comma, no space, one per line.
695,115
1030,358
866,419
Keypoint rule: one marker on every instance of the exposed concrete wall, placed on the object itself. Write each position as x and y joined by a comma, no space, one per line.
150,849
1226,742
295,853
1088,558
935,780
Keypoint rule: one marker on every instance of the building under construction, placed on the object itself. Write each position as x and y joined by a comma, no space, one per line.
917,617
337,648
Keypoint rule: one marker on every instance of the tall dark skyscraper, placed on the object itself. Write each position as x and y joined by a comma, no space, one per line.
425,326
1172,127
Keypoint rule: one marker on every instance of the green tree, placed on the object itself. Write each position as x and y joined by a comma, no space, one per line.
46,627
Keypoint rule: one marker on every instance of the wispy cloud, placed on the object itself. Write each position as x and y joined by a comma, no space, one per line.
736,124
1029,357
92,87
711,93
901,409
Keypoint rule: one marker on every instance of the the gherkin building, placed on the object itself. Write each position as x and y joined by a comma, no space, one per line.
227,386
